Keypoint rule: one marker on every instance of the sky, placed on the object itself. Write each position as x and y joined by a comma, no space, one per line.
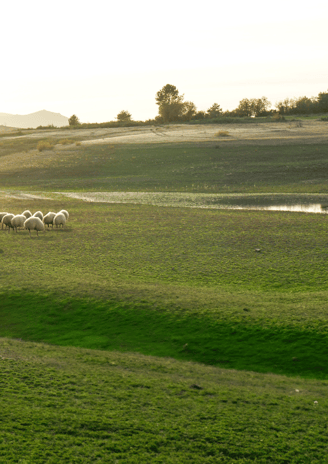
95,59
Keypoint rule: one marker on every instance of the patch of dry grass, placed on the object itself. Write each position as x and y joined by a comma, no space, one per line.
223,134
44,145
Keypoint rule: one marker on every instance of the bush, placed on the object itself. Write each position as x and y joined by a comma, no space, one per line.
222,134
65,141
44,145
277,117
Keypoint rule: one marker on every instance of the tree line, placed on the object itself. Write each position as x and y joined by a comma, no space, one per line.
173,108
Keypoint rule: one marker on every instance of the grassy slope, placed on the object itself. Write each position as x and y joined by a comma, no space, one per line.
78,406
173,282
170,282
203,167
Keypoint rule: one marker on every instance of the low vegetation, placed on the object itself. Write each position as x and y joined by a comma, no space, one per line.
174,298
75,405
222,134
177,282
44,145
212,167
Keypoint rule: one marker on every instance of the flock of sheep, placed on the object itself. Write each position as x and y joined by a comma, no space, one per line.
33,222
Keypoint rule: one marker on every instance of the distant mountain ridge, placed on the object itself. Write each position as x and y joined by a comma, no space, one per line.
33,120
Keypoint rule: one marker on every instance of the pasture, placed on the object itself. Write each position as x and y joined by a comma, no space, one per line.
183,285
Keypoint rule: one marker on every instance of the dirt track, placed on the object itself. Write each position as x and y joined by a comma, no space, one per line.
312,131
277,133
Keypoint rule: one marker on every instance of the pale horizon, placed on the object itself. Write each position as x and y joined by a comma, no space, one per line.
95,63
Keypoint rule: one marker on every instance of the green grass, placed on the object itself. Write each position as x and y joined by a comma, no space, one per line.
185,285
155,279
80,406
204,167
239,342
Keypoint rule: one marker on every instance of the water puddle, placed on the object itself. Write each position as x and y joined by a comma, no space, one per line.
304,203
313,208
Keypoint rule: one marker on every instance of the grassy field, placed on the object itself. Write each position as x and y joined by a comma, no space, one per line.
215,167
153,279
176,283
80,406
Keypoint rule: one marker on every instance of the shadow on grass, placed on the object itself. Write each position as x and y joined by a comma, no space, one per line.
113,326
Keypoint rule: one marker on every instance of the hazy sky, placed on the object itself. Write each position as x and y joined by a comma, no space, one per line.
97,58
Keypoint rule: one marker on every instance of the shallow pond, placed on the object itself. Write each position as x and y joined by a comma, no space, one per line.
305,203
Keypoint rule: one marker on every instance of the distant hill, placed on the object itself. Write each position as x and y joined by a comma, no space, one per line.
33,120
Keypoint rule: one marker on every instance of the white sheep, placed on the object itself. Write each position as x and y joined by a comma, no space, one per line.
39,215
34,223
59,220
6,220
1,216
27,213
65,213
48,219
18,221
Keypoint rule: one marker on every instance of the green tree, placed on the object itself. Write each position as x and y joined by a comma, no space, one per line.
304,105
214,111
260,106
245,108
74,121
323,102
284,106
253,107
124,116
189,110
170,103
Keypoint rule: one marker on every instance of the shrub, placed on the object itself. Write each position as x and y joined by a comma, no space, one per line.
74,121
65,142
277,117
222,134
77,144
44,145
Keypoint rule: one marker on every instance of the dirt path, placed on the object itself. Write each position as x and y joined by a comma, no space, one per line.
312,131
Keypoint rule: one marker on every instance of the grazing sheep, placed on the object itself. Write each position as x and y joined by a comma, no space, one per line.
6,220
65,213
18,221
27,213
48,218
1,216
59,220
34,223
39,215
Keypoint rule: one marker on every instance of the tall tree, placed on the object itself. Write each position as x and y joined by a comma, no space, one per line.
260,106
170,103
214,111
253,107
245,108
189,110
323,102
74,121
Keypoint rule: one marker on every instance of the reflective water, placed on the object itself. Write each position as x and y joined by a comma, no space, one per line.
304,203
302,208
